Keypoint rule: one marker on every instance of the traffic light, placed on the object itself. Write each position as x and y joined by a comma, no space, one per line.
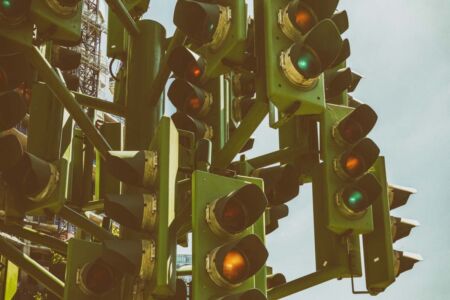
37,184
280,183
198,101
217,31
382,262
14,23
58,20
148,210
300,43
98,270
275,213
347,156
228,230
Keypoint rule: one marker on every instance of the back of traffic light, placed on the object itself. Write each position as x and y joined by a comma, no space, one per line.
382,262
228,230
199,101
149,210
301,41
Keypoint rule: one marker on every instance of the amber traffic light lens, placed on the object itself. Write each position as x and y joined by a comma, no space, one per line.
234,266
98,278
234,217
301,17
354,165
195,71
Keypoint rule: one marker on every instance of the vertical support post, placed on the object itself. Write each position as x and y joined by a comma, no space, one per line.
144,61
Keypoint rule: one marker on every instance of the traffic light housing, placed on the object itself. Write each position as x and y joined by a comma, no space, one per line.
149,211
347,156
382,262
14,24
217,31
58,20
98,270
300,42
228,230
39,186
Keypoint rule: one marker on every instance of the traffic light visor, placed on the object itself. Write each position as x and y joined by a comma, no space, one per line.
359,159
187,64
189,98
12,109
238,210
197,20
356,125
355,198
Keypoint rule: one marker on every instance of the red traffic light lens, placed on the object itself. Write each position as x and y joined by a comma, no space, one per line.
352,131
195,71
234,216
97,278
354,165
234,266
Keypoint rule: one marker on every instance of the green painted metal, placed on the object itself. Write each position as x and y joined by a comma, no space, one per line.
288,97
105,183
378,248
68,100
21,35
124,16
11,282
331,150
166,143
100,104
45,125
136,7
144,62
117,38
36,237
240,136
77,145
85,224
304,283
35,270
206,188
300,133
54,25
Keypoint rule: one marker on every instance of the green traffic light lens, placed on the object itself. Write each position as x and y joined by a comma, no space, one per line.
14,11
305,61
6,4
355,200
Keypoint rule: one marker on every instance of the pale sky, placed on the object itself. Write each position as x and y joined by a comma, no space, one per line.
402,49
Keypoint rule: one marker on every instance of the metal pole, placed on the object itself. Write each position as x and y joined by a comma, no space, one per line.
274,157
124,16
159,83
100,104
35,270
248,125
85,224
68,101
36,237
304,282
